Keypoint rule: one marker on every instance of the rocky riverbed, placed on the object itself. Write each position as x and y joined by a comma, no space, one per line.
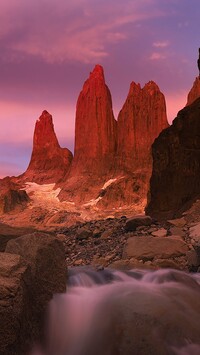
121,243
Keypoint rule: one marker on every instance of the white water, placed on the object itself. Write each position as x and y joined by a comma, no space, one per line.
135,313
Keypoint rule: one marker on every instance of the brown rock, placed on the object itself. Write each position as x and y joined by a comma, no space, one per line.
149,248
175,180
140,121
177,231
136,221
84,233
14,304
46,258
162,232
49,162
11,196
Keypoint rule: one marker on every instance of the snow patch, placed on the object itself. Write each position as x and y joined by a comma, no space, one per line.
45,196
108,183
93,202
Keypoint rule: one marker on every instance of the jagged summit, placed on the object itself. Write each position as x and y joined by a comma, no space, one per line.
49,162
97,72
140,121
95,127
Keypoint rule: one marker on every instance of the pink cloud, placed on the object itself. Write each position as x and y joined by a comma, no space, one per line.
157,56
72,30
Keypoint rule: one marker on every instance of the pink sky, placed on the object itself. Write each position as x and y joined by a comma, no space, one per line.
48,48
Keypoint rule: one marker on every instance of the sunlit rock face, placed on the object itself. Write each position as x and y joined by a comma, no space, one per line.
106,149
140,121
96,128
194,92
175,182
49,162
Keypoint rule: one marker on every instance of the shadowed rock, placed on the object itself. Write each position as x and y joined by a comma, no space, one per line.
175,182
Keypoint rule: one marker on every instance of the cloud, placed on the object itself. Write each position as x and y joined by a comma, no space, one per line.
59,31
162,44
157,56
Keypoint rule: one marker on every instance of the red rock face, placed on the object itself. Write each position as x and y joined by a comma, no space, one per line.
95,130
49,162
194,92
140,121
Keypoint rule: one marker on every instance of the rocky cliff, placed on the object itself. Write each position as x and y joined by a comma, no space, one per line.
49,162
95,128
140,121
175,182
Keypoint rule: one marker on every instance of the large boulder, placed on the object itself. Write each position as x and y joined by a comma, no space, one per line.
148,248
45,256
14,304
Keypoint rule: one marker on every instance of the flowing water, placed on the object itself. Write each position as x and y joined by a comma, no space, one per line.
109,312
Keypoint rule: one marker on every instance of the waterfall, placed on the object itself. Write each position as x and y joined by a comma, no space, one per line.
138,312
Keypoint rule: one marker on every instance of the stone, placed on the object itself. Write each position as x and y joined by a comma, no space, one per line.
45,256
193,258
49,162
162,232
14,304
175,183
178,222
134,222
194,233
84,233
106,234
166,264
149,248
177,231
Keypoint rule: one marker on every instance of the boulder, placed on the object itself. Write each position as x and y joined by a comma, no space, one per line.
14,304
149,248
162,232
136,221
48,273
